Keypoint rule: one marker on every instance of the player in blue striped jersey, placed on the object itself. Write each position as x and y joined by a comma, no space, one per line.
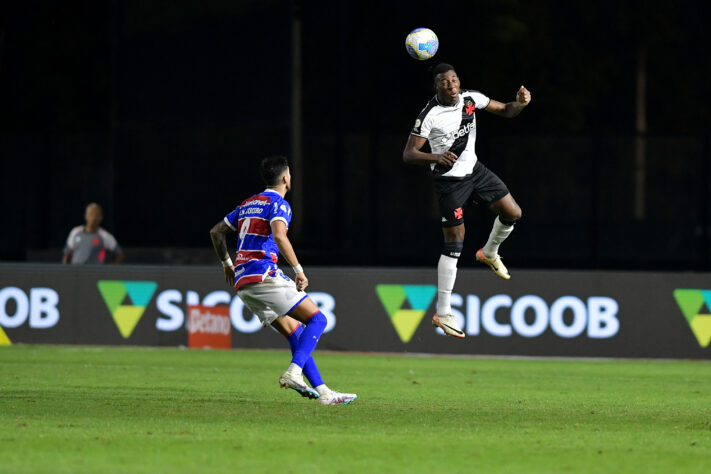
257,252
262,222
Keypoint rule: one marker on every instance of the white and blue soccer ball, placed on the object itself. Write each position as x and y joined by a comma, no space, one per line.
421,43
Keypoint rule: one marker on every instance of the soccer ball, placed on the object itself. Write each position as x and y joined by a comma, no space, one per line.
421,43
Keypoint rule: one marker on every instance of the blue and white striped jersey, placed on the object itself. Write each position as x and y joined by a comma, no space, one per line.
257,253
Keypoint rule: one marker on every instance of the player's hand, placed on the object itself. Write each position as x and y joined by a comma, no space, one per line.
447,158
301,281
523,96
230,275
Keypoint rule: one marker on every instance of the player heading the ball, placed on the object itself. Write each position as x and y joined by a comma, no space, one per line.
448,123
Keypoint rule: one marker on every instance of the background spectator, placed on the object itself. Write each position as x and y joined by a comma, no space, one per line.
90,243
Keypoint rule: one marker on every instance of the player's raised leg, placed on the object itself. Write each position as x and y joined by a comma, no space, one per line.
507,213
446,276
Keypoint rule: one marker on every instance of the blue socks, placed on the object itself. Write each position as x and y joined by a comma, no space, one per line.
303,342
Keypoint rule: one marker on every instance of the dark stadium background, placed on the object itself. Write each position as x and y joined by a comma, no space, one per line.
161,110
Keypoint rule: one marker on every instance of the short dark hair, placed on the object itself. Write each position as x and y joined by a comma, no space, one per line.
272,168
440,68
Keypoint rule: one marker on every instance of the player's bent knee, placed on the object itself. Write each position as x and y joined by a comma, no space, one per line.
453,249
318,319
454,234
510,220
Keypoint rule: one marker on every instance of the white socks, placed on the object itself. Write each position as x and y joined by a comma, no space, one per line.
294,369
447,266
446,274
322,390
498,234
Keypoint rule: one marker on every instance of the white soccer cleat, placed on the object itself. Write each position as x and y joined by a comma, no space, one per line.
296,382
495,263
447,324
337,398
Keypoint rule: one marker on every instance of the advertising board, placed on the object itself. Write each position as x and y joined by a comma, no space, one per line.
536,313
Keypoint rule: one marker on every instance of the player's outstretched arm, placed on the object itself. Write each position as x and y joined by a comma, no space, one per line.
510,109
287,251
218,235
413,156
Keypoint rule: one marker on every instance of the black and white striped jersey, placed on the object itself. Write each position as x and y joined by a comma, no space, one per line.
453,128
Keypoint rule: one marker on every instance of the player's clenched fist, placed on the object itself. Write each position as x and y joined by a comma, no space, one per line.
301,281
447,158
523,96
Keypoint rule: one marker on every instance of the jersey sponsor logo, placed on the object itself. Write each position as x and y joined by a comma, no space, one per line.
257,202
247,255
418,122
691,303
459,133
139,294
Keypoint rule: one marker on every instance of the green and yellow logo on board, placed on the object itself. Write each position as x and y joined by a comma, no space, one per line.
406,318
4,340
126,316
691,302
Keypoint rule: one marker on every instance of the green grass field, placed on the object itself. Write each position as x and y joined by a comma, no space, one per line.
91,409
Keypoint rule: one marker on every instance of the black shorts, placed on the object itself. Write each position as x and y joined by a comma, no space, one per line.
483,186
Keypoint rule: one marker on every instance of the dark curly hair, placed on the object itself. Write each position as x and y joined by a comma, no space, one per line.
272,168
